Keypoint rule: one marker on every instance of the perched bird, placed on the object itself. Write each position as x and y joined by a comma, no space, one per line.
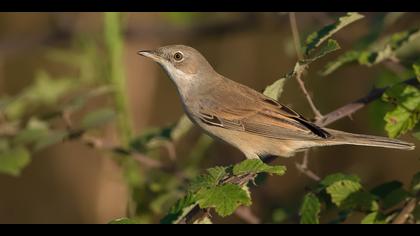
252,122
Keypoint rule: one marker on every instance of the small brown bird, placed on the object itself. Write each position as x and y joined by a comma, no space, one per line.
252,122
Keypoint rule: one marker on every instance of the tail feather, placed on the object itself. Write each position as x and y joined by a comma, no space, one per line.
339,137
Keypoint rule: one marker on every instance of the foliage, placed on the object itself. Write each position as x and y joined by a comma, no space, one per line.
162,184
346,194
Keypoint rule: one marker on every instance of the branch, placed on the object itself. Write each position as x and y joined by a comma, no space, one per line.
351,108
406,212
303,168
331,117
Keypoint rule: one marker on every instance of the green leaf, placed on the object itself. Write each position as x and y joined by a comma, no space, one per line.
373,218
341,190
331,46
360,200
415,183
123,221
256,166
346,58
399,39
275,90
310,209
51,138
33,132
180,209
317,38
97,118
225,199
331,179
395,197
12,161
211,179
395,42
406,114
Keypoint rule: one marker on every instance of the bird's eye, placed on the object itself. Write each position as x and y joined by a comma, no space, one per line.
178,56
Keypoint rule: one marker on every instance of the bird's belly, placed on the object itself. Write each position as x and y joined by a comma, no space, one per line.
253,145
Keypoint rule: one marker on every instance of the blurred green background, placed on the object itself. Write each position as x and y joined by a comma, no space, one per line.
70,182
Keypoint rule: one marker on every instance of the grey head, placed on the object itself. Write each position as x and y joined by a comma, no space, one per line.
186,67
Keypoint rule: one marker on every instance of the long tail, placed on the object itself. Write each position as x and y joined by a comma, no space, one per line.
339,137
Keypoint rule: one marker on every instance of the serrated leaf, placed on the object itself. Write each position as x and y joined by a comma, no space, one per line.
225,199
123,221
406,114
341,190
12,161
395,197
373,218
310,209
360,200
331,179
255,166
317,38
415,183
331,46
97,118
275,90
180,209
210,179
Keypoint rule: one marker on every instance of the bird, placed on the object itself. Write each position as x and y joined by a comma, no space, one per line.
257,125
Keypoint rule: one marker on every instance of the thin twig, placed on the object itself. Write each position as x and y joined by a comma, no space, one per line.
406,212
303,167
298,75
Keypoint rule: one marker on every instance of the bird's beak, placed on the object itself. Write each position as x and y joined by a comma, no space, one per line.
150,54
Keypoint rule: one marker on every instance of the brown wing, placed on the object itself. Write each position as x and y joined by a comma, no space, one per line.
259,115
